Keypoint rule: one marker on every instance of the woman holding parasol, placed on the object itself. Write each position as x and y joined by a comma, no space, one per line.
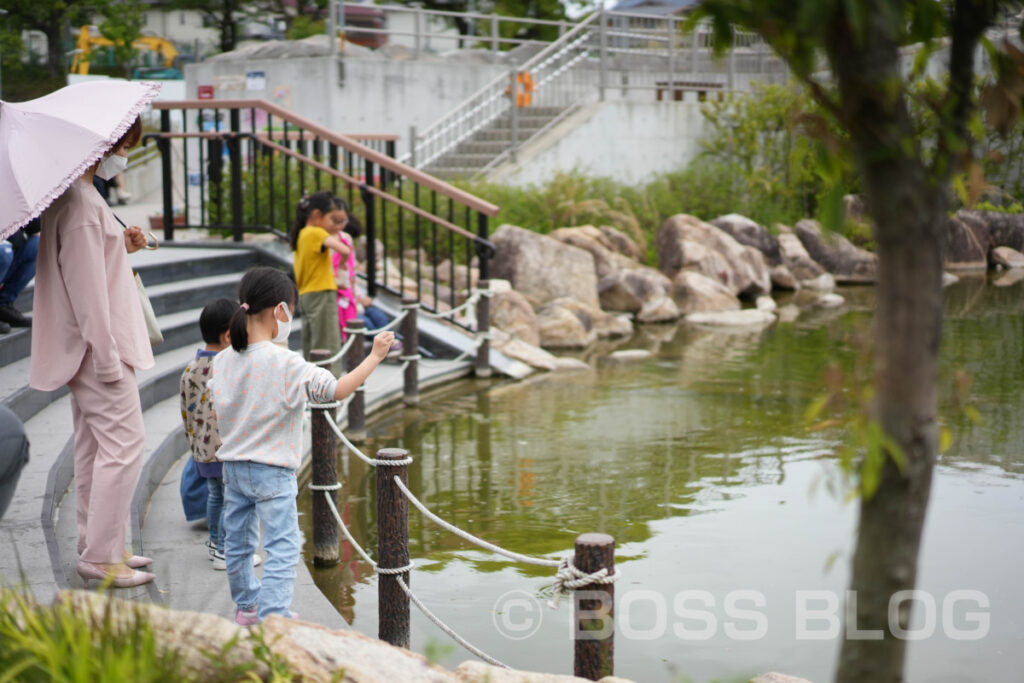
89,332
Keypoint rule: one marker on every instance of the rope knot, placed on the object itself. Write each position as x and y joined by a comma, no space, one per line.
568,578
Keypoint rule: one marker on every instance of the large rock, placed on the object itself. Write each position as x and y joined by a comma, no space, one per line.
560,328
796,258
1007,257
607,260
511,312
695,293
659,309
1004,229
537,357
847,263
782,278
967,242
623,243
478,672
687,243
315,653
566,324
543,269
628,290
752,234
748,317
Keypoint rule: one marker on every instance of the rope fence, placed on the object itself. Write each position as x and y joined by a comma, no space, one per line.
392,524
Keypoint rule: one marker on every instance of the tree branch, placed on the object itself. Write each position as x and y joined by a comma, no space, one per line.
968,23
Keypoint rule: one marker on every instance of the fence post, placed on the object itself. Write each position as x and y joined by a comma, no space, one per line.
370,203
165,172
356,430
392,549
412,146
235,155
482,367
514,112
672,58
494,33
418,23
603,67
410,351
594,609
325,473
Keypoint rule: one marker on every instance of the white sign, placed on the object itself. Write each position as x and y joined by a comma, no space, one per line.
256,80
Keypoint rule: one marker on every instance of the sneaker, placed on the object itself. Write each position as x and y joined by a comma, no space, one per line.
219,564
246,617
13,317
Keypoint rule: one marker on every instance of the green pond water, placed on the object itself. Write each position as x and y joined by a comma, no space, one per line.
699,462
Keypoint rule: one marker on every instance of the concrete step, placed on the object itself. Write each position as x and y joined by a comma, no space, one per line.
490,147
176,279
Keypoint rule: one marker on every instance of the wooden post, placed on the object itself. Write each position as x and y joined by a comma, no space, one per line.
325,473
595,609
410,351
392,549
356,430
483,327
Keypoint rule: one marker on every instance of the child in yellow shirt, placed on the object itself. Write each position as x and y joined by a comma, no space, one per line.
319,219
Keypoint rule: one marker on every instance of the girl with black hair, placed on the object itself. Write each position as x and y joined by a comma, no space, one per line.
314,235
259,390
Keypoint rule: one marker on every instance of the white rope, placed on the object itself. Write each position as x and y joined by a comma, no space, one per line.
344,348
569,578
471,301
372,462
526,559
444,627
481,337
390,325
344,530
416,601
325,487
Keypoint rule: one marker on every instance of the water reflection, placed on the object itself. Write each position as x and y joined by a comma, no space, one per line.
703,441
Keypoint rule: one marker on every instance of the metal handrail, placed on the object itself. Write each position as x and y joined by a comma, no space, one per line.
345,142
493,90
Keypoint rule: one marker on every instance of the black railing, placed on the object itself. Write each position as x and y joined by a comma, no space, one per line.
243,165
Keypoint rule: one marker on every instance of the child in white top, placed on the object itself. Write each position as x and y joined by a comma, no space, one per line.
258,391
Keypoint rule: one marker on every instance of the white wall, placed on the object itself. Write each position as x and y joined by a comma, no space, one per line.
378,95
628,141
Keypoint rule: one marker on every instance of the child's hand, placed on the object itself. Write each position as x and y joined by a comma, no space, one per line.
382,344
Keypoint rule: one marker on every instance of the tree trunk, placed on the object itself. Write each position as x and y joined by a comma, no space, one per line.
54,30
908,212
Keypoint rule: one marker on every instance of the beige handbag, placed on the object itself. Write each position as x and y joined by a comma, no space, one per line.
152,326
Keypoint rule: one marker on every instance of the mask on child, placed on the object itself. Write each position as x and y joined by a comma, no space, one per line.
111,166
283,328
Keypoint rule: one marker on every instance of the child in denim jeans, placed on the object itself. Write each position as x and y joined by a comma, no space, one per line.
201,425
259,390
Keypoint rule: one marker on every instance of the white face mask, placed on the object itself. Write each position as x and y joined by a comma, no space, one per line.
111,166
283,328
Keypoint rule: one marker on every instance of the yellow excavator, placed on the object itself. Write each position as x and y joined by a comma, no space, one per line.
89,38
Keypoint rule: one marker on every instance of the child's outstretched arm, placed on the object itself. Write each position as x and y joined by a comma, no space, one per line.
333,242
349,382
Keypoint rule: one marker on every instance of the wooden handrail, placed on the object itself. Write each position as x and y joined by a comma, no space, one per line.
345,142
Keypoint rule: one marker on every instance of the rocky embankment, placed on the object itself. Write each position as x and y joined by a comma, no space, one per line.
567,289
205,645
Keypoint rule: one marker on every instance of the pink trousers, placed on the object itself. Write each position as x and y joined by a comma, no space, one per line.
109,440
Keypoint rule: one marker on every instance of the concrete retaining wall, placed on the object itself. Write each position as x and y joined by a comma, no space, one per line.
626,140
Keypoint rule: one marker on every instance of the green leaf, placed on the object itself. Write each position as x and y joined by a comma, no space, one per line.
833,209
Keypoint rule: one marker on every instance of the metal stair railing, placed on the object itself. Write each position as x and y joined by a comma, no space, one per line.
245,164
489,102
638,52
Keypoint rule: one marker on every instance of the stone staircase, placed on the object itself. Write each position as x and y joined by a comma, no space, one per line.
491,144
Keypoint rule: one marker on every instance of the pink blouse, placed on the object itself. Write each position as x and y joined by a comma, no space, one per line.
85,296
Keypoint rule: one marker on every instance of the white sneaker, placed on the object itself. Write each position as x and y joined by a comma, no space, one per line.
219,564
